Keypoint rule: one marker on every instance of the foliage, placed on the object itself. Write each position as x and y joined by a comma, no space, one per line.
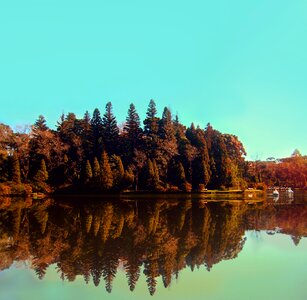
16,169
106,176
42,174
92,152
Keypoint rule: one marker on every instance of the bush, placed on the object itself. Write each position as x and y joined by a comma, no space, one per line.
243,184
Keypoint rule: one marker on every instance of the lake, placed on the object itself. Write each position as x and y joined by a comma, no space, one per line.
158,246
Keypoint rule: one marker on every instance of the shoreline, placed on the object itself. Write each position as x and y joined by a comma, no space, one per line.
248,194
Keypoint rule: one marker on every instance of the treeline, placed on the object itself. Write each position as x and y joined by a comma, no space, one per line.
159,238
286,172
93,153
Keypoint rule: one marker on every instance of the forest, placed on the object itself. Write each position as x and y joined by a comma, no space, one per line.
94,154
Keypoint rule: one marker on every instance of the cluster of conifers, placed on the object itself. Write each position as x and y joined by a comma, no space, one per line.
94,153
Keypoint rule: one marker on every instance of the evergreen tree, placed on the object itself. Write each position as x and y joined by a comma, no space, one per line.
128,178
106,176
167,141
16,178
132,268
117,171
87,118
150,176
132,126
88,171
218,153
200,173
151,271
132,135
96,170
87,135
151,123
40,124
96,123
186,151
70,136
110,130
151,127
209,134
176,174
42,174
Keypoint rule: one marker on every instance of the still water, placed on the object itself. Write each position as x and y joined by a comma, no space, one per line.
175,247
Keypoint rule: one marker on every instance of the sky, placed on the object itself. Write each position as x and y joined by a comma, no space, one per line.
240,65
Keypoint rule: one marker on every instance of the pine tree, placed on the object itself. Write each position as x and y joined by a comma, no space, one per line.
88,171
87,117
110,130
16,178
151,122
117,171
96,170
151,271
132,135
132,268
70,135
176,174
40,124
200,173
132,126
151,176
218,154
128,178
42,174
96,124
151,127
87,135
167,141
105,172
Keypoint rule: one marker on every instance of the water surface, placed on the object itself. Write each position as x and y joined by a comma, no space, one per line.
158,247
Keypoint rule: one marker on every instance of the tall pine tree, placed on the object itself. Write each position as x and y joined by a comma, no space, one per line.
132,135
106,176
151,127
167,141
110,130
42,174
96,124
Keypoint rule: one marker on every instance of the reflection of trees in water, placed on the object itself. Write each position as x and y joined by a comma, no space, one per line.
161,237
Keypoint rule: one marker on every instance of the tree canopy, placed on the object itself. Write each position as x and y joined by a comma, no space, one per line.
92,153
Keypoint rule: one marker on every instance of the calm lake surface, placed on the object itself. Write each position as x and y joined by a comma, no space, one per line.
162,247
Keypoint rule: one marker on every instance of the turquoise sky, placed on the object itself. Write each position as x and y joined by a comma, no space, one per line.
241,65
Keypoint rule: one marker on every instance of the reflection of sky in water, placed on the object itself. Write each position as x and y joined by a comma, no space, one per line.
268,267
